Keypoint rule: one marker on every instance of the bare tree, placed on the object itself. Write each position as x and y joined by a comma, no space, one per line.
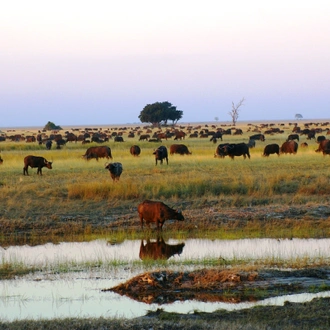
235,111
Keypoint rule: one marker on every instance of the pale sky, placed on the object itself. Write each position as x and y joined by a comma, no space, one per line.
100,62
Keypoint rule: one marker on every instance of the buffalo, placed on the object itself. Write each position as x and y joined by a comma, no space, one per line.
293,137
158,212
311,135
217,135
273,148
98,152
115,169
35,161
160,154
323,145
289,147
320,138
159,250
219,151
59,143
145,137
118,139
71,137
30,138
180,149
1,160
179,135
260,137
135,150
49,144
236,149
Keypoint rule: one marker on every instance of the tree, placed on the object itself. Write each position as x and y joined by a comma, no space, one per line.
160,112
234,113
51,126
298,116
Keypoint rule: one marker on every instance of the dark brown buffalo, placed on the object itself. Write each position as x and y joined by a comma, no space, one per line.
115,169
236,149
217,135
35,161
71,137
180,149
30,138
179,135
320,138
135,150
1,160
118,139
311,135
273,148
98,152
144,137
193,135
323,145
289,147
59,143
219,151
49,144
260,137
160,154
158,212
293,137
159,250
160,136
305,131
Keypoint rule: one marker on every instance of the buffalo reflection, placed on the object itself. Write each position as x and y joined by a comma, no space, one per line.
159,250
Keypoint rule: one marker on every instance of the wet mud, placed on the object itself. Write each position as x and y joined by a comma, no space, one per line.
214,285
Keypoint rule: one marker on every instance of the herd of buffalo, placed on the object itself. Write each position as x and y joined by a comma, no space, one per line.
157,212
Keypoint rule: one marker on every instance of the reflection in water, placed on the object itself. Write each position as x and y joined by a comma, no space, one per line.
78,294
159,250
51,255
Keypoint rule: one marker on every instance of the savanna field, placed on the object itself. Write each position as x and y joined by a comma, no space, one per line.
201,185
280,197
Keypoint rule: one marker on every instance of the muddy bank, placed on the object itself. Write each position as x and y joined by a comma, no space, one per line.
218,285
209,215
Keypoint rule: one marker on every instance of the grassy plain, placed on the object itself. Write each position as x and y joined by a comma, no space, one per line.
282,197
82,195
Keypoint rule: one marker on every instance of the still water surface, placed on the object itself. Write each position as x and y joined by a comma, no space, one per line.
49,295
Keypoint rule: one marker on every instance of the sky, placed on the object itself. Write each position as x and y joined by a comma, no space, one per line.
101,62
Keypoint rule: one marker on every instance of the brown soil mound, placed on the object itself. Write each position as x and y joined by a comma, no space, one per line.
219,285
204,285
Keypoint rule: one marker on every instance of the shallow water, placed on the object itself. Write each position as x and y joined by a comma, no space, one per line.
48,295
194,249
